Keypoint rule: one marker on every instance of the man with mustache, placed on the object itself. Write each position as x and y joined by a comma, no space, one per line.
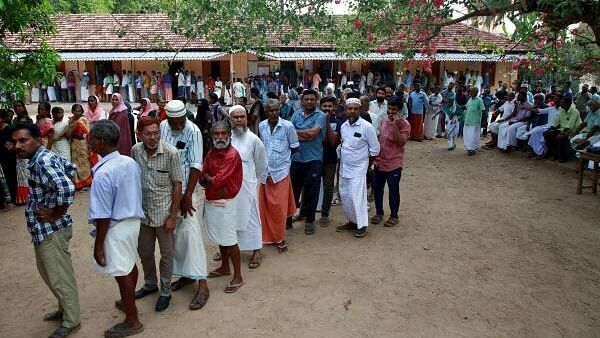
161,195
221,176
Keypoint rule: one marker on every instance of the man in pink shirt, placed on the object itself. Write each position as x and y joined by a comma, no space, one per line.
394,132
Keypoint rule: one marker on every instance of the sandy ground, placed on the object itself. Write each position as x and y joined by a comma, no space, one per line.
493,245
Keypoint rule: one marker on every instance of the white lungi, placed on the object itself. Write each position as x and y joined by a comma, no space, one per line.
84,94
507,134
493,127
471,137
522,133
120,248
51,94
536,140
353,193
219,220
109,89
189,258
430,125
250,238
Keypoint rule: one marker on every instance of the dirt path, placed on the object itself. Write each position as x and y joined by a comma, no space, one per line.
493,245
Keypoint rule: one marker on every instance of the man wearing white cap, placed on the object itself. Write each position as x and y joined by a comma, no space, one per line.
359,146
189,258
254,162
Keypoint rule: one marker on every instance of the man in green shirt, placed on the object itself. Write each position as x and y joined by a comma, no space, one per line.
558,136
589,130
472,129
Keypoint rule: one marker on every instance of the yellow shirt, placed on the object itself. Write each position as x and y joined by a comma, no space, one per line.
567,120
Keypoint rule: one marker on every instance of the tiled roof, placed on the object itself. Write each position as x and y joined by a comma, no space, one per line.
105,32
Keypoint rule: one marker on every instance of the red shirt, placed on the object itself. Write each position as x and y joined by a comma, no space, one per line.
391,154
225,168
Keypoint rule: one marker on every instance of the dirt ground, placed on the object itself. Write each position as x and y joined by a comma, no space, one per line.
493,245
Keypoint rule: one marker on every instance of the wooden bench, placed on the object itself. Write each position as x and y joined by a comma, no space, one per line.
584,157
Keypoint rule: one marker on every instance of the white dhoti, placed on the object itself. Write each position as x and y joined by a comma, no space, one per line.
248,226
84,94
189,258
522,133
536,140
51,94
471,137
503,138
220,219
430,124
353,193
493,127
120,248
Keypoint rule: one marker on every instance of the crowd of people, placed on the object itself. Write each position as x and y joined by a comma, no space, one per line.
262,163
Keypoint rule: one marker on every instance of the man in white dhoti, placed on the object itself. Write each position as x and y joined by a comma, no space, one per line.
507,132
536,141
505,111
359,146
221,176
115,208
254,162
189,258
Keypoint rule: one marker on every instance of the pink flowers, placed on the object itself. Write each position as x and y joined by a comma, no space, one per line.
438,3
357,24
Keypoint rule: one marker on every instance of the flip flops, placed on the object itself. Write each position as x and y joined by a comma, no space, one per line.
231,288
217,273
199,300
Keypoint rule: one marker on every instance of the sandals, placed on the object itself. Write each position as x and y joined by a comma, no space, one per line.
62,331
282,247
231,288
376,219
255,263
122,330
199,300
391,222
348,226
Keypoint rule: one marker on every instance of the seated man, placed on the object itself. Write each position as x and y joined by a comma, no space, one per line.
507,132
563,128
536,143
589,130
505,111
537,119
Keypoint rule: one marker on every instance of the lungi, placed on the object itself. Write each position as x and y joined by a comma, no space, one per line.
471,137
353,193
416,126
536,140
120,248
493,127
507,134
276,201
430,124
219,220
522,133
84,94
249,231
189,257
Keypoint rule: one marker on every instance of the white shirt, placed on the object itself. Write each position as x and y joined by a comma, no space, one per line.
552,115
63,82
116,191
359,141
379,111
124,80
188,80
507,109
116,80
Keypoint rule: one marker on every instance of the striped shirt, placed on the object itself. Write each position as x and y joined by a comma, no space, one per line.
49,187
160,173
279,145
188,143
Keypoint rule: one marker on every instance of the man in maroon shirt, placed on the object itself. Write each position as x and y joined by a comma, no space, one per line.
221,176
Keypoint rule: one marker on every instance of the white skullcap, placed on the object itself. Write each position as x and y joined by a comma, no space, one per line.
524,85
175,108
352,100
237,108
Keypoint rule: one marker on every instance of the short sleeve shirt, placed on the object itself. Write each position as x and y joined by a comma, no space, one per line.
418,102
188,143
279,145
310,150
473,114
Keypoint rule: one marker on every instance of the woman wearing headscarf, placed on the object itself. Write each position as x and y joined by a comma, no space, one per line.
119,115
95,112
77,132
145,108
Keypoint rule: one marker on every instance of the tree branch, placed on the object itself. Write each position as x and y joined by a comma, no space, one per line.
484,12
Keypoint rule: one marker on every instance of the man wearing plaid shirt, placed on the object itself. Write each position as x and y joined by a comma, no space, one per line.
50,194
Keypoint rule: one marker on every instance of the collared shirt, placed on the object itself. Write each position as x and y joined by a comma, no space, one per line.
592,119
188,143
567,119
160,173
474,112
359,141
379,111
310,150
507,109
225,168
279,145
417,102
391,154
49,187
116,191
523,111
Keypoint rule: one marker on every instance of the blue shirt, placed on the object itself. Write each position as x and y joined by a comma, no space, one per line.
417,102
310,150
116,191
49,187
279,145
188,142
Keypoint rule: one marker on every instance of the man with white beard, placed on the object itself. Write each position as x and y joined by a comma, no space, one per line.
254,162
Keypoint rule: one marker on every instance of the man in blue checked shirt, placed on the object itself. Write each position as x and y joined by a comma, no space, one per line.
50,194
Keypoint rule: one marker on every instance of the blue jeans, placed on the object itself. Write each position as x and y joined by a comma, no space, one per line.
393,180
306,181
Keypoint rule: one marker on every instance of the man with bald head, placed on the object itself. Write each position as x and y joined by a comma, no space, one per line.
359,146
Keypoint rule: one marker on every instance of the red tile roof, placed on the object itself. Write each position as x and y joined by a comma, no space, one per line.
105,32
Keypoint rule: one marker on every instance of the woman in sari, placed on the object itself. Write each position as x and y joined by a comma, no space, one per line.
119,115
77,132
95,111
61,144
45,124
